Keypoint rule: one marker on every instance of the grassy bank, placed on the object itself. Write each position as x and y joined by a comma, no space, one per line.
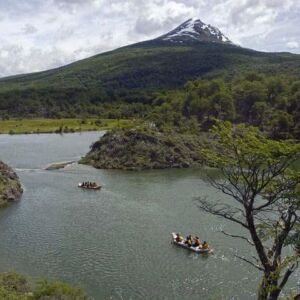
15,126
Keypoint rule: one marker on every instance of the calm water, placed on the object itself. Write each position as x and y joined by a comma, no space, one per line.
115,243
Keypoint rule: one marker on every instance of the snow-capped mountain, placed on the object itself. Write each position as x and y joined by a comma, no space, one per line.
195,30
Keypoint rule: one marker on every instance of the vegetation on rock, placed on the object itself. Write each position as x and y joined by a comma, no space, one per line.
10,187
137,149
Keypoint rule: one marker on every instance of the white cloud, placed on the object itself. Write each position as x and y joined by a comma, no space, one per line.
29,29
292,45
37,35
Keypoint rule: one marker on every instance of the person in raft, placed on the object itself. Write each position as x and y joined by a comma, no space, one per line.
197,242
205,245
178,238
89,184
188,240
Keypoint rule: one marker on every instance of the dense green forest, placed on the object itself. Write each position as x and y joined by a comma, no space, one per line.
271,103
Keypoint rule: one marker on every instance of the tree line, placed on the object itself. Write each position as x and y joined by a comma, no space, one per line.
271,103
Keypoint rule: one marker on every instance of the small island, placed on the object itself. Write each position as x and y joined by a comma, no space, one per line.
144,148
10,186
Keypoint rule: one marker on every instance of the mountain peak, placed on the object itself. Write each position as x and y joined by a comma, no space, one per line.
195,30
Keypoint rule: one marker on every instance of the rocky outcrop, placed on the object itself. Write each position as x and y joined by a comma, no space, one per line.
10,187
58,166
138,149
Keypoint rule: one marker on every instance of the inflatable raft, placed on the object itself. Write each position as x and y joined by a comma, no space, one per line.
194,249
97,187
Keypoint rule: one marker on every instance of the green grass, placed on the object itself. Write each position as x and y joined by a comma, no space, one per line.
15,126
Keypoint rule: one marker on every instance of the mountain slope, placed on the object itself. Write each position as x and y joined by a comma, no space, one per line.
192,50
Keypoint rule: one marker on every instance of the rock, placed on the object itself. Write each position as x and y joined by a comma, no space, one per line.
10,187
57,166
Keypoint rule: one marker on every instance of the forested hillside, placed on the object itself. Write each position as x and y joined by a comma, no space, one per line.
133,74
184,79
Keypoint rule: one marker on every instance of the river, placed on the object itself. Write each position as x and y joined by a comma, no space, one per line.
115,243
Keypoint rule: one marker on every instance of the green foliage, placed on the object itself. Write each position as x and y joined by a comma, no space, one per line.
268,102
208,100
57,290
14,286
254,99
14,282
245,146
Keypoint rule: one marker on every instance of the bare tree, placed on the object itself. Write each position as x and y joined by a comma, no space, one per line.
256,173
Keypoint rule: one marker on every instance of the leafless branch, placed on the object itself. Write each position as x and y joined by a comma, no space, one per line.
250,262
286,276
224,211
238,236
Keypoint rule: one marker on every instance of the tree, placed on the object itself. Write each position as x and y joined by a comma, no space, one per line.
275,86
281,124
258,112
246,94
222,106
256,174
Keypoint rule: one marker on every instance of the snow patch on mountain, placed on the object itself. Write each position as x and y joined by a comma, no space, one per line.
185,30
195,29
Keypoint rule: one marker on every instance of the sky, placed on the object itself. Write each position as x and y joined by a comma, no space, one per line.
37,35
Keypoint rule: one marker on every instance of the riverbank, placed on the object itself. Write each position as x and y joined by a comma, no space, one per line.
10,187
141,149
27,126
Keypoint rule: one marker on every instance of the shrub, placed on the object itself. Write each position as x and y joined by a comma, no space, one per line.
14,282
57,290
